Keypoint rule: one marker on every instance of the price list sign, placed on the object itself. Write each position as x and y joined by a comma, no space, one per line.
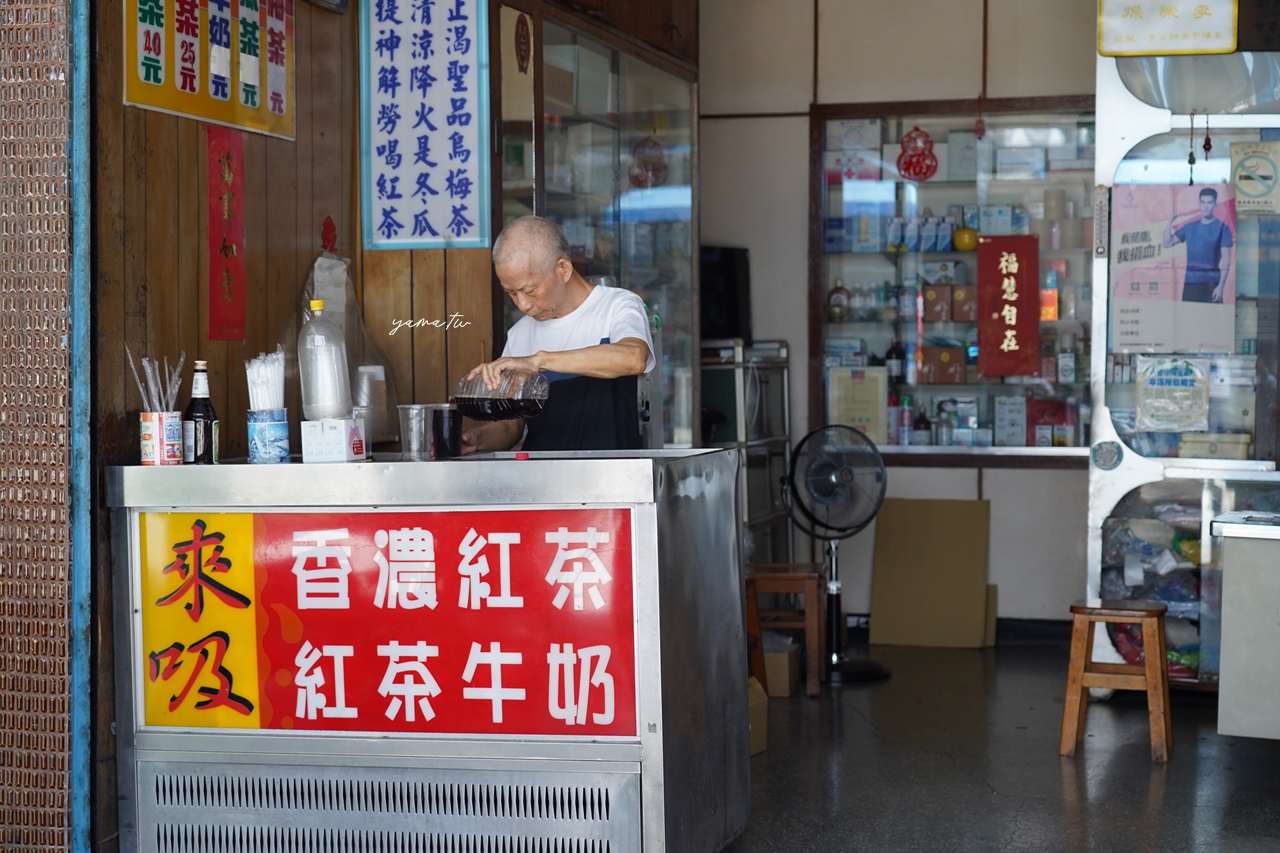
1008,306
424,130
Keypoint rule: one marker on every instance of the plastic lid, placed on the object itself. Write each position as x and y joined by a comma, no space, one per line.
522,455
317,304
202,365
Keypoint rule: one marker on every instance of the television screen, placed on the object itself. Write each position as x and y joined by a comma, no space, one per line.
726,293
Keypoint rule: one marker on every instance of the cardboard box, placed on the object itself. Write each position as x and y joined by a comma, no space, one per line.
944,272
757,716
782,672
964,303
937,303
1020,163
1011,420
951,365
333,440
1042,417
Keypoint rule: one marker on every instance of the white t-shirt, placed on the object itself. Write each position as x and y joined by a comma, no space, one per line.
606,316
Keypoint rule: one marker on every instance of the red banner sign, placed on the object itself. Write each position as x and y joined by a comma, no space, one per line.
1008,306
483,622
226,234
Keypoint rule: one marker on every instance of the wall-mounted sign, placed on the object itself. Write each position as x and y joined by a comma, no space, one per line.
228,62
424,124
1173,394
226,234
1008,271
516,622
1136,28
1255,176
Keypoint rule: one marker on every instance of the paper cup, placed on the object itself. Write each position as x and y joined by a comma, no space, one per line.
268,436
160,435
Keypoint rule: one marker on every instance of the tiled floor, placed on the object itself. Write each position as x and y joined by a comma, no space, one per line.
959,752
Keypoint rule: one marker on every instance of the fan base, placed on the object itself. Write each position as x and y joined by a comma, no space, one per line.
845,670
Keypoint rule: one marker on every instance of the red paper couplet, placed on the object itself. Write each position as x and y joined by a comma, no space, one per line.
226,234
1008,306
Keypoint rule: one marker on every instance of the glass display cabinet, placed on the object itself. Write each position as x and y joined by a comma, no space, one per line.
899,203
601,143
1184,373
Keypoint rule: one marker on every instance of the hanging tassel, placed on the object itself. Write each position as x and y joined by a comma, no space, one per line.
1191,157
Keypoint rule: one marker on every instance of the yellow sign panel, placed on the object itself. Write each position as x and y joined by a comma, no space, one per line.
199,632
1160,27
225,61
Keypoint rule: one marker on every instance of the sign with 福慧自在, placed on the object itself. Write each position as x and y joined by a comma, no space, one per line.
228,62
424,124
511,622
1008,270
1163,27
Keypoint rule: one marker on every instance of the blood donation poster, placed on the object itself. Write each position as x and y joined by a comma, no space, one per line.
1173,271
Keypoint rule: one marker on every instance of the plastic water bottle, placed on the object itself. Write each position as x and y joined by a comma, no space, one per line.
322,364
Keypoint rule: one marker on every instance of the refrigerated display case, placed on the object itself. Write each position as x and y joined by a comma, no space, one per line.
1184,374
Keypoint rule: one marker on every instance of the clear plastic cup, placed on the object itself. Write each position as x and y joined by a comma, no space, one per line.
430,431
413,433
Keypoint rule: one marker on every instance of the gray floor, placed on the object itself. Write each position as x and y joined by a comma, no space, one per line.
959,752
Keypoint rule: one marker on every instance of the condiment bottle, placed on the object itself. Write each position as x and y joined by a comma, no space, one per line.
200,422
922,429
322,366
838,303
894,358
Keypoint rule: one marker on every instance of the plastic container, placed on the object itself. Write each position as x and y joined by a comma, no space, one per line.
520,395
322,365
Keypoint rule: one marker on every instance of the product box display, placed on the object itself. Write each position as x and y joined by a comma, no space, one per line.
937,303
333,440
1020,163
964,303
1010,421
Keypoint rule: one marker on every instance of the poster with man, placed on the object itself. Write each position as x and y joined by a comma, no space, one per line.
1173,271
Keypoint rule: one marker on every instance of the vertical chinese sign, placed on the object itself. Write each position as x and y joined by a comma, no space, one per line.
1008,306
511,622
226,234
424,129
212,60
1135,28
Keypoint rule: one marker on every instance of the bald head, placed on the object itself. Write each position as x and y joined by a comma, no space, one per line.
532,243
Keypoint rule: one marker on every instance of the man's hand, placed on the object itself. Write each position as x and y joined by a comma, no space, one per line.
491,372
493,437
1217,293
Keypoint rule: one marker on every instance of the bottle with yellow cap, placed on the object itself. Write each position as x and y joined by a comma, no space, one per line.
322,367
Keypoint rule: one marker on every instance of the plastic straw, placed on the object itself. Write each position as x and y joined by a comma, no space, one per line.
265,376
142,392
175,381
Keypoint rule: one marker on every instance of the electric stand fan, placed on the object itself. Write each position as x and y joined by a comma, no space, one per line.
834,490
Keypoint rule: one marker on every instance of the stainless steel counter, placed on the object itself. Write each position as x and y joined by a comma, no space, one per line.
680,782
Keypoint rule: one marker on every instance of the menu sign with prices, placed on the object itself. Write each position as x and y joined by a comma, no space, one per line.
1008,270
228,62
507,622
1133,28
424,124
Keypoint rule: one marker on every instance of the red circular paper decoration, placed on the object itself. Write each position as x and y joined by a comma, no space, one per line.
917,161
523,41
648,164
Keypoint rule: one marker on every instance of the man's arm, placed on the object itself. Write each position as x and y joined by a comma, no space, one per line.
627,357
1225,265
1169,237
493,437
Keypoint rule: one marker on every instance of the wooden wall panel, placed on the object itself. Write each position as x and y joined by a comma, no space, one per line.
388,296
430,376
468,292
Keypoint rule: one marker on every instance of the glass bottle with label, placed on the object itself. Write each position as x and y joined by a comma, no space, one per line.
894,358
838,308
200,422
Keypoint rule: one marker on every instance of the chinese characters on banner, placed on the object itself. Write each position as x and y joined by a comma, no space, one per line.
509,622
1173,271
424,135
226,234
1135,28
212,60
1008,306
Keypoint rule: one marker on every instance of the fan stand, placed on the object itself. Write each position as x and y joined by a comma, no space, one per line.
840,667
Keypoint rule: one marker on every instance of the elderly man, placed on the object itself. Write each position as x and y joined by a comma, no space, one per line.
591,342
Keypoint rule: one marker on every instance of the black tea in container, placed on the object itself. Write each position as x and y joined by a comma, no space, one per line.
520,395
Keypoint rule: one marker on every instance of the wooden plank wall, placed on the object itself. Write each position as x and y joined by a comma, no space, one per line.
151,278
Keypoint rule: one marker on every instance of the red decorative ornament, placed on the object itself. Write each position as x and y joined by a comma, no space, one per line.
980,127
329,235
648,164
917,161
523,42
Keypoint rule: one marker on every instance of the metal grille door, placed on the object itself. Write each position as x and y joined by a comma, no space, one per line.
34,435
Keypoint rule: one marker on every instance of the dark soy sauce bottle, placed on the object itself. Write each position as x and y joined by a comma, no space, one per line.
200,422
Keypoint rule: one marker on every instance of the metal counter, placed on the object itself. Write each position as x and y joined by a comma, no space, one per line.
214,764
1249,685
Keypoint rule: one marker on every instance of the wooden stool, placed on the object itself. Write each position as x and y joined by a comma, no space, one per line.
779,578
1151,675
